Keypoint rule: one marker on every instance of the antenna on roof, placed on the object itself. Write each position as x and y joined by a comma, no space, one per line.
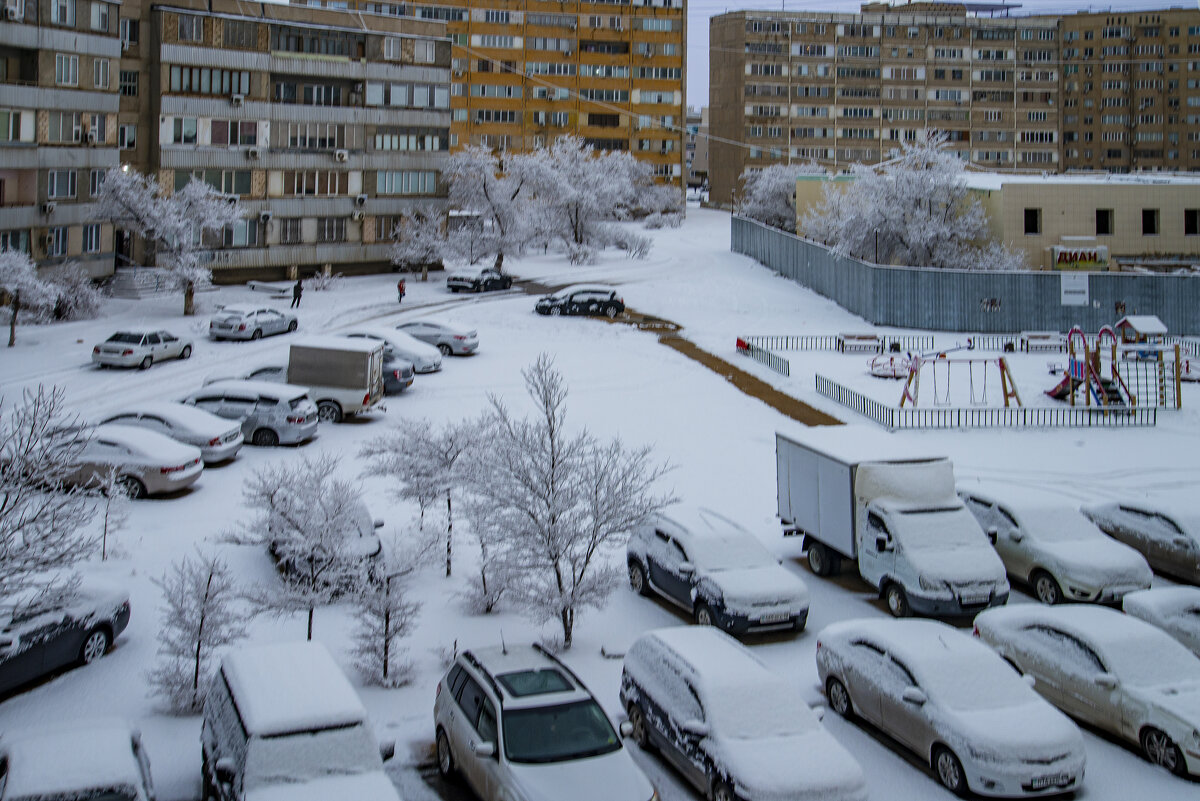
503,647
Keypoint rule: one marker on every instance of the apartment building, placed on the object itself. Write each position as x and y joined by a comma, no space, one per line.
527,71
58,128
696,147
1033,93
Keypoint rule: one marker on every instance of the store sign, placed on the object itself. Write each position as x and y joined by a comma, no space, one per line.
1076,258
1074,291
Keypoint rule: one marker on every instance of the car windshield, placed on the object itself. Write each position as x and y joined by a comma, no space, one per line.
297,402
303,756
1150,661
558,733
937,529
126,339
1061,525
730,552
973,681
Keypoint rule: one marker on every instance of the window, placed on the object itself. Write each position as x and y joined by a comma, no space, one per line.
405,182
100,13
91,238
129,32
1033,221
127,137
1191,222
184,131
242,234
424,52
1104,222
128,83
66,69
234,133
65,126
96,129
191,28
289,231
62,12
60,184
315,182
240,33
331,229
206,81
56,244
100,73
1149,222
95,181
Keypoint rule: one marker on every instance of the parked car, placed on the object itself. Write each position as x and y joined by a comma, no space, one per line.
146,462
250,322
266,372
449,339
84,760
1049,545
352,555
140,349
591,300
731,727
217,440
40,634
398,375
954,703
716,571
1175,610
517,723
1167,534
281,721
398,344
1108,670
270,413
483,281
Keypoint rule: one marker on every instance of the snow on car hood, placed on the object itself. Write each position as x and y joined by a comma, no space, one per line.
608,777
1100,560
1029,732
749,586
370,786
962,565
807,766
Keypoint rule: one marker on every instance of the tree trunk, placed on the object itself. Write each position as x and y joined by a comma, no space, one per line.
189,300
499,263
568,624
449,533
311,611
425,271
12,324
200,638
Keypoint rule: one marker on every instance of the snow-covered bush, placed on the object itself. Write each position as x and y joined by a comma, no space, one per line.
636,245
322,282
76,296
659,220
385,616
418,242
581,254
769,194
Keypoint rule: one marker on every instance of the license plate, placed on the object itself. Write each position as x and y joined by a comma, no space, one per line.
975,599
777,617
1042,782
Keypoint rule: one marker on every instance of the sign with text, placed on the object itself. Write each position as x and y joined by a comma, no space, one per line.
1075,289
1094,257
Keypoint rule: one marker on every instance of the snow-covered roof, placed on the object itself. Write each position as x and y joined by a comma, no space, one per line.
290,687
1100,624
1163,602
1143,324
240,308
1017,497
580,288
991,181
720,660
66,760
181,414
267,389
397,338
852,444
1183,509
147,443
368,786
338,342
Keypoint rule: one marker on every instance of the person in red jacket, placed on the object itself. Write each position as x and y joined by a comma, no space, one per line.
400,291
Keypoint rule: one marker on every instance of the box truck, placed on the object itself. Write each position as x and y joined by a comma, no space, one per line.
344,376
855,494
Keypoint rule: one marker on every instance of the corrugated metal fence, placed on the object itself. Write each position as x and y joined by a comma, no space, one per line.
969,301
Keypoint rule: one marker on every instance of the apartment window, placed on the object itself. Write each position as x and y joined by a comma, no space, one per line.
289,231
95,181
17,241
56,245
1191,222
129,30
1033,221
234,133
127,137
331,229
128,83
62,12
91,238
191,28
96,128
230,182
1104,222
206,81
315,182
65,127
100,73
1150,222
240,33
424,52
242,234
185,131
60,184
405,182
100,14
66,69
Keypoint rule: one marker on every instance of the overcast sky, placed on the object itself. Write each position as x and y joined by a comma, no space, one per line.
699,12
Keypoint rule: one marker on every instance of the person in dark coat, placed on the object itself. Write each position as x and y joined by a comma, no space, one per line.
400,291
297,291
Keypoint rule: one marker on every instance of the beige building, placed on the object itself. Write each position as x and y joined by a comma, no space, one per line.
696,147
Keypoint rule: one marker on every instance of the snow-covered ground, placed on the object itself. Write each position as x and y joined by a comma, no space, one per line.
621,381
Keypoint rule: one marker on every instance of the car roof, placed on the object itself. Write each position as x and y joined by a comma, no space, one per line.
140,332
1017,498
1097,624
497,661
268,389
59,760
698,522
149,443
176,412
1182,510
914,641
717,660
242,308
338,342
290,687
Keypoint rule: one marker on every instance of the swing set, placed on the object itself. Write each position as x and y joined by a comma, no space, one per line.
977,370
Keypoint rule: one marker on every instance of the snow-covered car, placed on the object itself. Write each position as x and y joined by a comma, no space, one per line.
954,703
1048,544
40,634
717,571
590,300
217,440
1166,533
398,344
140,349
358,548
734,729
270,413
398,375
281,723
265,372
146,462
448,338
1175,610
250,322
483,281
84,760
1109,670
517,723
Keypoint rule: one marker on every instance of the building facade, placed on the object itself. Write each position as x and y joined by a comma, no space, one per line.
527,71
1035,93
696,148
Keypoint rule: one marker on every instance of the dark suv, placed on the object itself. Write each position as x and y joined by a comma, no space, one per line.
590,300
485,281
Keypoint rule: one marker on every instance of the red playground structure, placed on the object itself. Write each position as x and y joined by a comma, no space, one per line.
1084,370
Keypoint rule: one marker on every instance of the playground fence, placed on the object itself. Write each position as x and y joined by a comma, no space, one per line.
763,356
893,417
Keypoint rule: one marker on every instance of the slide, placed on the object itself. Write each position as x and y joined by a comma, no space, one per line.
1063,390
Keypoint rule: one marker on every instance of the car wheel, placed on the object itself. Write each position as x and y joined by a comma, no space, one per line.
1161,751
265,437
610,311
897,601
506,283
723,792
637,720
555,310
445,349
445,759
949,771
146,362
453,290
132,487
1046,588
257,334
819,559
186,353
704,616
292,326
637,579
95,645
329,412
839,698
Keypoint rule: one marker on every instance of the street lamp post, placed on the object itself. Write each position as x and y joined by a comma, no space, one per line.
877,246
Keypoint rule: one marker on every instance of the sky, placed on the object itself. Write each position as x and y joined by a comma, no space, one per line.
699,12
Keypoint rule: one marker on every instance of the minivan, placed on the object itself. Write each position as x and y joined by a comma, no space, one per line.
270,413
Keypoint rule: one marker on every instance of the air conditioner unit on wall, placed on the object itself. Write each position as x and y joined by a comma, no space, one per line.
253,153
265,215
360,200
49,207
357,215
341,155
237,100
14,10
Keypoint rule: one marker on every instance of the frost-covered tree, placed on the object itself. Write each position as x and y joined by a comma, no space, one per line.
201,616
24,290
496,573
44,526
113,507
307,519
915,210
178,225
418,242
480,183
769,194
385,615
562,500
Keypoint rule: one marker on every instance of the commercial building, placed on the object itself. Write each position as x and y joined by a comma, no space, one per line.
527,71
1032,93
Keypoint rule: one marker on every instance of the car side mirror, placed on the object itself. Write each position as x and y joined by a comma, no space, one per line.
914,696
626,728
696,728
1015,535
387,750
1107,681
687,568
379,522
881,543
224,770
992,535
485,750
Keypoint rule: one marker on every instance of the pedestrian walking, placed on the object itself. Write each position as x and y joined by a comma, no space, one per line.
297,291
400,291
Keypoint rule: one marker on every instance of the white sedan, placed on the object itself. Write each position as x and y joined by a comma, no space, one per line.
140,349
449,339
1175,610
397,344
217,438
1048,544
954,703
1107,669
250,322
143,462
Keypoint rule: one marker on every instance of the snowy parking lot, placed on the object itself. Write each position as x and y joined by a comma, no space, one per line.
621,381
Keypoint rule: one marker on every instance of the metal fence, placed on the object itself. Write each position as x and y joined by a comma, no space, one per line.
970,301
764,356
877,343
892,417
